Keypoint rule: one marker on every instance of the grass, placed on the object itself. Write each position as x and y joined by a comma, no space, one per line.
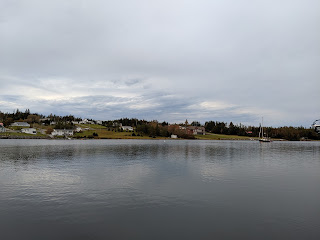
213,136
92,126
104,133
21,134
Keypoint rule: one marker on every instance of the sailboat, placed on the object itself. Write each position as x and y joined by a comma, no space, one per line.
262,138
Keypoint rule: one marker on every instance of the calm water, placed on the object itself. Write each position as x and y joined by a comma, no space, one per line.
132,189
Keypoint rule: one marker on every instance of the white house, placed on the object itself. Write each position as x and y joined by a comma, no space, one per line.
29,130
44,119
78,129
99,122
62,132
2,128
20,124
127,128
86,121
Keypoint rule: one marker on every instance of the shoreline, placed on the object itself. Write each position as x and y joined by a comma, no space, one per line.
158,139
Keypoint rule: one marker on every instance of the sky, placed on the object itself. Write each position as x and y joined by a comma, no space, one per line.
169,60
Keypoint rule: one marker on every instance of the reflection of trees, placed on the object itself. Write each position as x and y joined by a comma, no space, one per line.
120,151
31,154
18,153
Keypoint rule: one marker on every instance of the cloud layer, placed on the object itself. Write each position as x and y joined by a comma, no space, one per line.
167,60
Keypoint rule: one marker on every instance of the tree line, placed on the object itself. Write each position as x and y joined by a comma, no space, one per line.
19,116
164,129
288,133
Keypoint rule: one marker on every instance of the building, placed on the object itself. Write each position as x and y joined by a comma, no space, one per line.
127,128
29,130
196,130
99,122
20,124
62,132
78,129
86,121
2,128
182,128
44,119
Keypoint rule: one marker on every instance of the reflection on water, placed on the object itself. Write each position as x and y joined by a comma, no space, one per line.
120,189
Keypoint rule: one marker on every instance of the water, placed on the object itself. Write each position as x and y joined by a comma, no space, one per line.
140,189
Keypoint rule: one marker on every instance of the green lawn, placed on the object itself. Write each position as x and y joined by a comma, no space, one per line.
21,134
212,136
93,126
104,133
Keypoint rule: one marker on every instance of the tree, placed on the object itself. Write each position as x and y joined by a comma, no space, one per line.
209,126
32,118
196,124
164,123
49,130
7,122
232,129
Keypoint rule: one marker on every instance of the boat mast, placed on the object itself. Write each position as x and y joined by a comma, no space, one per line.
262,127
259,130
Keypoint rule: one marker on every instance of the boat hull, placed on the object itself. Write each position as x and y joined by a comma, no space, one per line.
264,140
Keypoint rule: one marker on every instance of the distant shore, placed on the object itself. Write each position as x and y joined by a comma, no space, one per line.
202,137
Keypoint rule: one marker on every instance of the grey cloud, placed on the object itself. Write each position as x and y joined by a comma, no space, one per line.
256,55
134,81
160,106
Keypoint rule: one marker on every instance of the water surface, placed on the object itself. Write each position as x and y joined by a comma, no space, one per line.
140,189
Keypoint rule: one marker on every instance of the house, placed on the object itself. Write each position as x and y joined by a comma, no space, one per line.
44,119
86,121
78,129
20,124
29,130
127,128
99,122
62,132
196,130
2,128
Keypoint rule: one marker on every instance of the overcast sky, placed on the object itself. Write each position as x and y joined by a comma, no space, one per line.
224,60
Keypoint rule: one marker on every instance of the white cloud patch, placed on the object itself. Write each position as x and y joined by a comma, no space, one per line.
215,105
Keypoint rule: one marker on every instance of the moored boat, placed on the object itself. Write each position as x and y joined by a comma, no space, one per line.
263,138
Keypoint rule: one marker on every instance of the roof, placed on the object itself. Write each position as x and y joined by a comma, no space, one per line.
63,129
195,127
21,124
